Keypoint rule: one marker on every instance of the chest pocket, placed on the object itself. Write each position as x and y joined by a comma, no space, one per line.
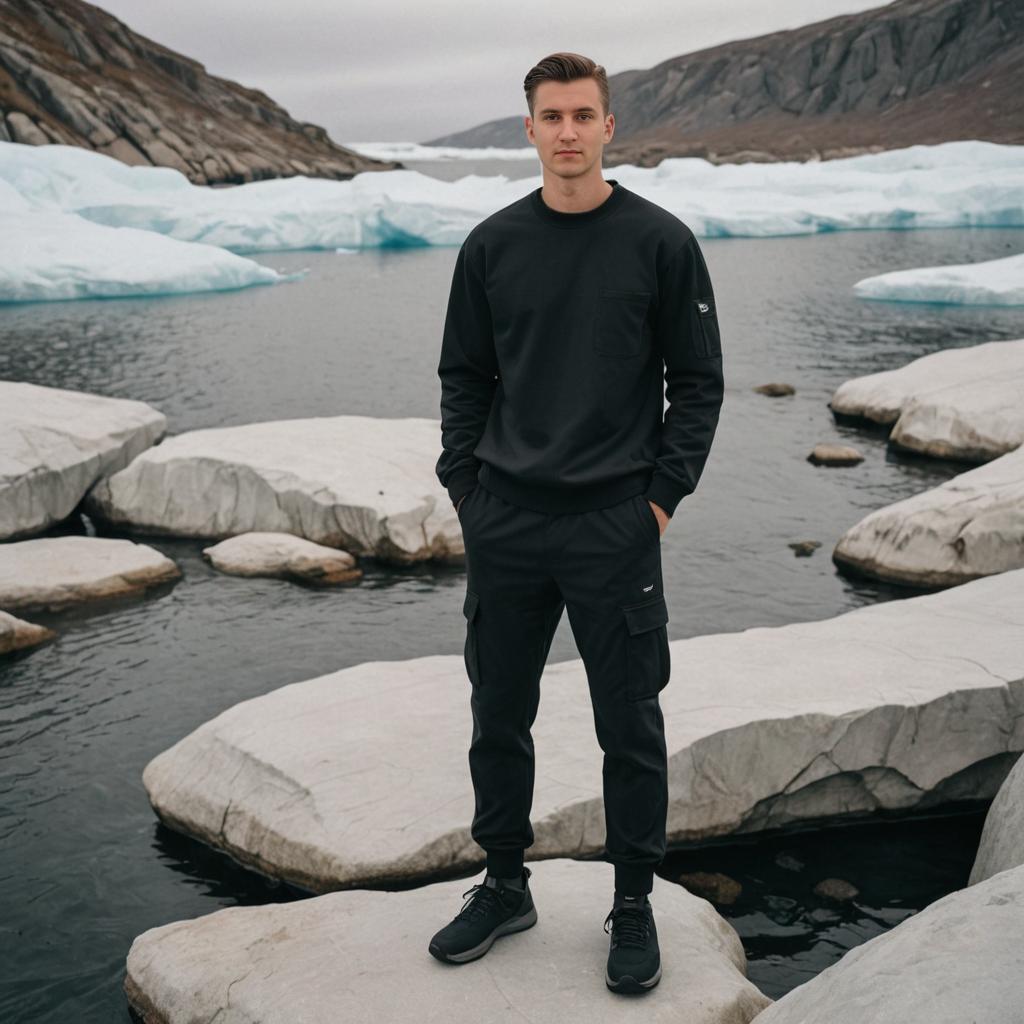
619,325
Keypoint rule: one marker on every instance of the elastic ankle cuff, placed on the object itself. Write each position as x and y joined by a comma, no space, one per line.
505,863
633,881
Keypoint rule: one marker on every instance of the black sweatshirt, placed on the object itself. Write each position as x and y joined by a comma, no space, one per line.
561,333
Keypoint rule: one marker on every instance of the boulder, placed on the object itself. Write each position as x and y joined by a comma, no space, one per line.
968,527
958,403
16,634
55,444
359,483
362,955
54,573
1002,836
359,777
282,555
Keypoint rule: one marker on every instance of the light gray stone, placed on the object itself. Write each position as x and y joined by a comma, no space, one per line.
16,633
962,403
967,527
53,573
358,483
1002,836
830,454
961,960
282,555
55,444
359,777
362,956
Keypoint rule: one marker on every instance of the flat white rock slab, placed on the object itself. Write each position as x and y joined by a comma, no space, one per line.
359,483
359,777
55,444
1002,837
998,282
362,956
961,959
962,403
283,555
58,572
969,526
16,633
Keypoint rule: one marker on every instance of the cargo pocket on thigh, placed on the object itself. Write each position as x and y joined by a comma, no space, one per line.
471,653
647,657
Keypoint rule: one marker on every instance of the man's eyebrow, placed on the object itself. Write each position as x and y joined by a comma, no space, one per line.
555,110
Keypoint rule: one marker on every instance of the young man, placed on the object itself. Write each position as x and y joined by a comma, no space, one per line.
570,310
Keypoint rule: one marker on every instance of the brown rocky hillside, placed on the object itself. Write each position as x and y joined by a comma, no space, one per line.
74,74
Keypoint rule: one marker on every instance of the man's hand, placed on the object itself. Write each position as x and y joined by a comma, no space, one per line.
660,514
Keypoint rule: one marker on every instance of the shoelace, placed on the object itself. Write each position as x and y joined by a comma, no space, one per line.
630,925
482,898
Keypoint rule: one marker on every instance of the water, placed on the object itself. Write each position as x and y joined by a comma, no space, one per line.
84,866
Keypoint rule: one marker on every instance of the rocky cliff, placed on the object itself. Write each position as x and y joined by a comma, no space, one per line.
914,71
71,73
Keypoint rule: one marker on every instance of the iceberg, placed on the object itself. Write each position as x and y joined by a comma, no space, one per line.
988,283
955,184
48,256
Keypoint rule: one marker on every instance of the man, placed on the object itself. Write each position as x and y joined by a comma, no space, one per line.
570,310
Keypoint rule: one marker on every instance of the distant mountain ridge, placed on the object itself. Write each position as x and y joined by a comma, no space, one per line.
74,74
914,71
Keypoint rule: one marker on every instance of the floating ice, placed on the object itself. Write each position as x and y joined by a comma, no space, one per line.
989,283
956,184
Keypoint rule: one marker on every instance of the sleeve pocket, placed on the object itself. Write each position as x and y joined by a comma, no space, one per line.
707,338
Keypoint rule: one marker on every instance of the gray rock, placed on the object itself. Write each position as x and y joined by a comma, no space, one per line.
362,956
960,403
359,777
1002,836
55,573
282,555
967,527
358,483
16,633
55,444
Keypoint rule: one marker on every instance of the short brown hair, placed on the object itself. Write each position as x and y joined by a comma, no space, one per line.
566,67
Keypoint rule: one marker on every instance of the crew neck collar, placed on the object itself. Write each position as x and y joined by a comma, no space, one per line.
574,220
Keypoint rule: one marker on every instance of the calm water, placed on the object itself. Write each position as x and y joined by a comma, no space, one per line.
84,867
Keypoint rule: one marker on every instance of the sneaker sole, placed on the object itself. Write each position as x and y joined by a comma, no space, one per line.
513,924
627,983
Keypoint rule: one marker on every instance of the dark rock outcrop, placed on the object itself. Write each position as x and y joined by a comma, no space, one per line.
74,74
915,71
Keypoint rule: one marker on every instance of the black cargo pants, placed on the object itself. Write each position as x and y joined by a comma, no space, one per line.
522,568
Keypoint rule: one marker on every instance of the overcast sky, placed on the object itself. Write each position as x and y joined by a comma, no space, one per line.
396,71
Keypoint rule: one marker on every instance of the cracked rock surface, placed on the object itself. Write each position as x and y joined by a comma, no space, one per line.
359,776
359,483
362,955
55,444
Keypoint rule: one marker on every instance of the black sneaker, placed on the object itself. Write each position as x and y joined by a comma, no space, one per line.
634,960
493,909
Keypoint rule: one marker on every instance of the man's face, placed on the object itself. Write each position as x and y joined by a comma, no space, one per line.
568,128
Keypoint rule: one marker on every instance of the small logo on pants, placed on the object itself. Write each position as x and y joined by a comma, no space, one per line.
648,587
